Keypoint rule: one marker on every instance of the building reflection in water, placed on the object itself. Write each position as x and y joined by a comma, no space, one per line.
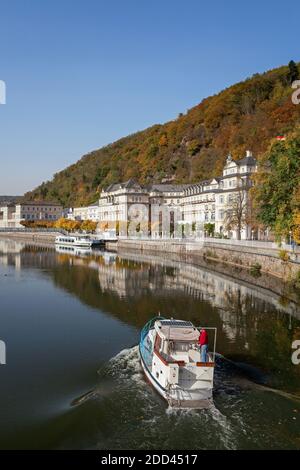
132,274
254,324
251,320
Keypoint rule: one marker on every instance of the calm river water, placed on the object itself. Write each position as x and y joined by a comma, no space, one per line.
71,325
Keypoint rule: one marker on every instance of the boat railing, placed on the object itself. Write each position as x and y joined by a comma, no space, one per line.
149,325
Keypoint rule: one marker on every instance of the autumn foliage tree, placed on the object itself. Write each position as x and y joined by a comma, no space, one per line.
37,223
88,226
68,224
296,226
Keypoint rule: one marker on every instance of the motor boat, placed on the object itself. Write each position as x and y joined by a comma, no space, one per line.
77,240
172,361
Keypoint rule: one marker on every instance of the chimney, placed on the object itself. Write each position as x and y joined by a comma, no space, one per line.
248,153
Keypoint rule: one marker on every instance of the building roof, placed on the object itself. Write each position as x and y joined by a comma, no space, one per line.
168,188
39,203
249,161
130,184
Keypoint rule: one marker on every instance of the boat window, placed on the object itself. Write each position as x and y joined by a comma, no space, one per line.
181,346
157,344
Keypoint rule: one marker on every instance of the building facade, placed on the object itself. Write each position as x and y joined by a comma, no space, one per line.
162,210
85,213
12,215
212,201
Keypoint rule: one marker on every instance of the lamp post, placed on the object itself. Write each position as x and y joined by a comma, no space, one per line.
290,233
252,234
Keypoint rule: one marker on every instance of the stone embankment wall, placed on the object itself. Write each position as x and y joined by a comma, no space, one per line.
47,237
256,259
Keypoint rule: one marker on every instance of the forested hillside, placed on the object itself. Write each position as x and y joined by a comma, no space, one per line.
193,146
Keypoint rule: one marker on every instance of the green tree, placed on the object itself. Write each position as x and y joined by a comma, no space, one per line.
277,186
101,173
209,228
293,73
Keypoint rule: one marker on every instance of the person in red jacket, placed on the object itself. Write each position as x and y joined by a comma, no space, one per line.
203,343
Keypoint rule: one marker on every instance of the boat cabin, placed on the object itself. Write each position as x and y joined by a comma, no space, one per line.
177,341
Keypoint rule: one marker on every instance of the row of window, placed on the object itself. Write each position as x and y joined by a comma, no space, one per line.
34,216
48,209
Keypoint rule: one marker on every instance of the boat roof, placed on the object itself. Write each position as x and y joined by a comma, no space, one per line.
176,330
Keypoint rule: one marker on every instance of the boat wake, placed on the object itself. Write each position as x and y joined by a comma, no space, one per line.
125,365
138,414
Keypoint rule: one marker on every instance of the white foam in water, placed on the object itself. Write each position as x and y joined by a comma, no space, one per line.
126,364
227,432
210,414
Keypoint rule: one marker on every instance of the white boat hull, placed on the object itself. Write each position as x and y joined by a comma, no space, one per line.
177,397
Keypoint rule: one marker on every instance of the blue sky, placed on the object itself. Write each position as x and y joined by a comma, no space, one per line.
81,74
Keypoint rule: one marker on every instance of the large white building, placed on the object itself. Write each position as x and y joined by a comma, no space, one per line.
154,209
170,210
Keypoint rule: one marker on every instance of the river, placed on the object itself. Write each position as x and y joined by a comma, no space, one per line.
72,378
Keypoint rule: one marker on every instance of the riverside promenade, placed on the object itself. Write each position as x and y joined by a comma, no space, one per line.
280,261
32,235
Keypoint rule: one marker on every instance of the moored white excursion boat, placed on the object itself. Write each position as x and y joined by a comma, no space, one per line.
77,240
171,359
